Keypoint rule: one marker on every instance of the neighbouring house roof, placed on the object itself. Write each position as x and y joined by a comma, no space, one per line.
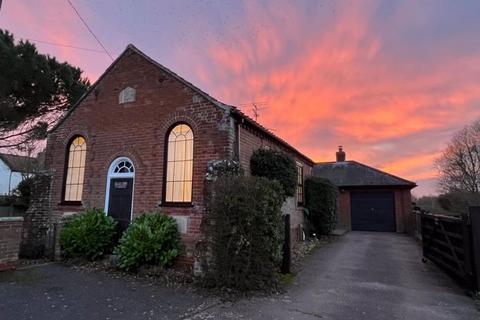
16,163
232,109
355,174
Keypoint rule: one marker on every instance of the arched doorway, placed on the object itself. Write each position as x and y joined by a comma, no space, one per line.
119,193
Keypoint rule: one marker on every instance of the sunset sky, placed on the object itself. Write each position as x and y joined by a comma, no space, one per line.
389,80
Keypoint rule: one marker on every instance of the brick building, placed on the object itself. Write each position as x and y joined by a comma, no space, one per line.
140,140
369,199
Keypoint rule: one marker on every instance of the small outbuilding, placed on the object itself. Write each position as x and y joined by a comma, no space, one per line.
369,199
12,170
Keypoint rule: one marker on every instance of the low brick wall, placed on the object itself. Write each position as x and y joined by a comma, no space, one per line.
38,220
10,238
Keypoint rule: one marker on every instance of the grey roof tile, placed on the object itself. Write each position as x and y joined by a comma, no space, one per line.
355,174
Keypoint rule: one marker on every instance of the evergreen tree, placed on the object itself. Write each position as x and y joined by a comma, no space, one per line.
35,89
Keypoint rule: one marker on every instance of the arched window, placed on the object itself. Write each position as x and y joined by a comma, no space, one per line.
77,151
178,183
124,166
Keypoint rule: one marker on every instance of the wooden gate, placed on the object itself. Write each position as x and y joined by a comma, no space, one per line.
453,243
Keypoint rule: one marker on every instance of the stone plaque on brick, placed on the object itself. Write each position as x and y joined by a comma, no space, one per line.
182,222
127,95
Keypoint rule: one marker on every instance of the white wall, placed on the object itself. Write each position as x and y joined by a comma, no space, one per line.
7,183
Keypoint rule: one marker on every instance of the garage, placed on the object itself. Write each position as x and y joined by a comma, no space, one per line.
373,211
369,199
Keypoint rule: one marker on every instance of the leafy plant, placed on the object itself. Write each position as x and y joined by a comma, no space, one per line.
88,234
321,203
220,168
246,230
23,191
275,165
151,238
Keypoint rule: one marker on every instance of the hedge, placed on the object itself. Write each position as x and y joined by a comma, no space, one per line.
246,233
275,165
321,204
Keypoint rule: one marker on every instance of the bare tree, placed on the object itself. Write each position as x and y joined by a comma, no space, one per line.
459,165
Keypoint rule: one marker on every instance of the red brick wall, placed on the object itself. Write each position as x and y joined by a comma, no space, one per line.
344,211
37,220
251,140
403,211
138,130
10,238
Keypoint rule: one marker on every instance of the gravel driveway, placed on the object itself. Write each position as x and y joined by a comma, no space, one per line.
361,276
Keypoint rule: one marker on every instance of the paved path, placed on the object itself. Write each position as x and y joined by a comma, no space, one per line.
362,276
57,292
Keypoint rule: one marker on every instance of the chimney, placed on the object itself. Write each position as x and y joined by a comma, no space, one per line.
340,154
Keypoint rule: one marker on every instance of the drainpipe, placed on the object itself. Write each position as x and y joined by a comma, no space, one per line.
10,182
238,140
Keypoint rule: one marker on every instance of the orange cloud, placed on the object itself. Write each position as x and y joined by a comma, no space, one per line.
415,167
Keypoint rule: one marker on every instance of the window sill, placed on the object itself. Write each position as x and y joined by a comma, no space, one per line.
70,203
176,204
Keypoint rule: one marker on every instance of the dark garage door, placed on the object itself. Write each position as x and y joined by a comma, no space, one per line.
373,211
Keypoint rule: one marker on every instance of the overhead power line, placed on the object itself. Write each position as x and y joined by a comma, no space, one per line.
64,45
90,30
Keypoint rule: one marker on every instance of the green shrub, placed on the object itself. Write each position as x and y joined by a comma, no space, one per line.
246,232
275,165
321,203
88,234
23,191
151,238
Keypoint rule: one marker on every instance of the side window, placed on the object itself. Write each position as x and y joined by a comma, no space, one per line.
299,184
75,169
